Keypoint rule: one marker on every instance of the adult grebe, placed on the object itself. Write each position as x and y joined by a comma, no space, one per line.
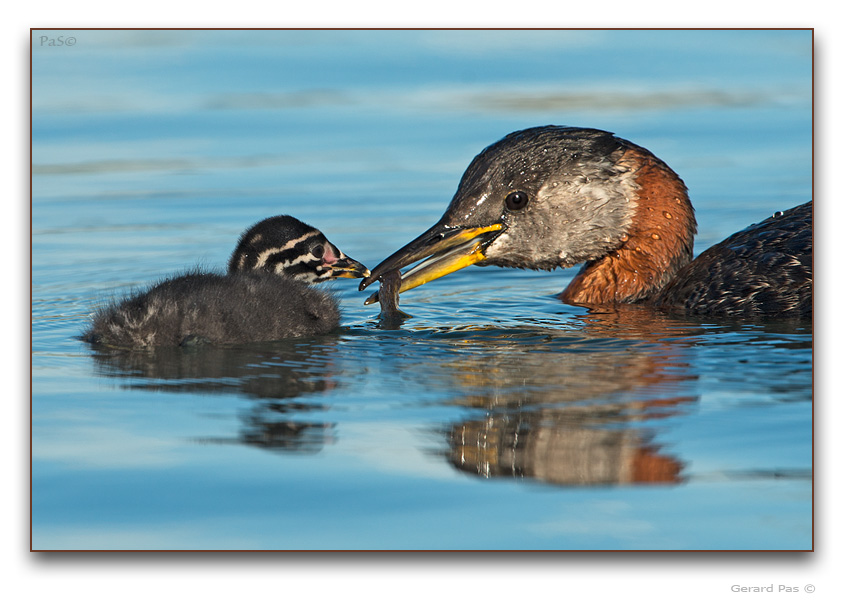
553,196
266,295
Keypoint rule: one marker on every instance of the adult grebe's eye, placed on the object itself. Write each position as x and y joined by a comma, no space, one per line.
516,200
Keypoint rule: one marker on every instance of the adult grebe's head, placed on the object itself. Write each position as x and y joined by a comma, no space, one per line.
552,197
287,246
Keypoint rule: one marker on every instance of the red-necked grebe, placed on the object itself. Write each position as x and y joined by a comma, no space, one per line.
552,196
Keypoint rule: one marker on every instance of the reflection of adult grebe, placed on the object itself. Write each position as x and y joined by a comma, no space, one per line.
266,294
553,196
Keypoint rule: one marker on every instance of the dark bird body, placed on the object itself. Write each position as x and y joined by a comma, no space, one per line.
266,295
552,196
765,269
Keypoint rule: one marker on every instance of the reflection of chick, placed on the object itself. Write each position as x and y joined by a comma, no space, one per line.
264,296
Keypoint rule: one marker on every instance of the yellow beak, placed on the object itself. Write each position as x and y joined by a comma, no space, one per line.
444,251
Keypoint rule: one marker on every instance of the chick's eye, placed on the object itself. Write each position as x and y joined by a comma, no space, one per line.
516,200
318,251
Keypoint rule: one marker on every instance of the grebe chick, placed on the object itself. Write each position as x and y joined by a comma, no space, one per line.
552,196
266,295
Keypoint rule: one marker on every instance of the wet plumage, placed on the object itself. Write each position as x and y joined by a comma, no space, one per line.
765,269
265,295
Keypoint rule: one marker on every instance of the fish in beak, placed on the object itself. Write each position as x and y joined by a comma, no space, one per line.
442,249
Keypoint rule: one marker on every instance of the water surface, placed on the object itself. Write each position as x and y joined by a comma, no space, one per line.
495,418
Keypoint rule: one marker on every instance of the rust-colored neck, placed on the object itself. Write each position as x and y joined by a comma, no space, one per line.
658,243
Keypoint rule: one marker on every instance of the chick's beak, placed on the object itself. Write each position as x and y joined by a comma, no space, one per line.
346,267
445,250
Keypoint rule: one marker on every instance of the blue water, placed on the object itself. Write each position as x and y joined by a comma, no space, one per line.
495,418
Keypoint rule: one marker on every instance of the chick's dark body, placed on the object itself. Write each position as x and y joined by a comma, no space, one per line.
213,308
265,295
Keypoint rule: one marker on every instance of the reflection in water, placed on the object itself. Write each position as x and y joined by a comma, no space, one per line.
269,375
578,418
285,435
547,447
575,404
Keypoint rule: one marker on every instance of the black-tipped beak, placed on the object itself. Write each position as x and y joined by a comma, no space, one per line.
445,250
346,267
